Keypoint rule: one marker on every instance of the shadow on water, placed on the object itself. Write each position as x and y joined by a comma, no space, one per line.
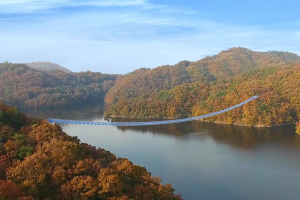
236,136
87,111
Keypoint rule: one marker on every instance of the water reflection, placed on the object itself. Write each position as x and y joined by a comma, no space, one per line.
237,136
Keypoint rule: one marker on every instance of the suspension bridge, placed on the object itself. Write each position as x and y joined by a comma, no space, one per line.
63,121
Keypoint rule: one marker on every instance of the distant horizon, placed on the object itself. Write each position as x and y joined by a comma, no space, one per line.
118,36
151,67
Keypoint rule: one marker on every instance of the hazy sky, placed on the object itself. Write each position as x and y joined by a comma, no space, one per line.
119,36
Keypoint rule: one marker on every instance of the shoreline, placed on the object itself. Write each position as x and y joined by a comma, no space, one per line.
255,126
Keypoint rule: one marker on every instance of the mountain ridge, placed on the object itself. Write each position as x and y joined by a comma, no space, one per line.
21,85
185,89
229,63
212,84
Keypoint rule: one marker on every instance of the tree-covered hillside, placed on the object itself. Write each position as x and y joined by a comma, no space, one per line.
231,77
21,85
183,90
230,63
39,161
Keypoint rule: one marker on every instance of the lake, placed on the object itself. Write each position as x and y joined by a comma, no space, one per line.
201,160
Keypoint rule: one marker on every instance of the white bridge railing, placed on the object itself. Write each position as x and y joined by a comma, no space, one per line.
63,121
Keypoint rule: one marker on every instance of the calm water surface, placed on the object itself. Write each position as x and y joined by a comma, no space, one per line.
201,160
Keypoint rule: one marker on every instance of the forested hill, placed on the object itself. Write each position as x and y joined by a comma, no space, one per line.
230,63
21,85
47,66
39,161
183,90
211,84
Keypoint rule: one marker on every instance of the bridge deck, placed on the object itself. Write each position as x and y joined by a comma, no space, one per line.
63,121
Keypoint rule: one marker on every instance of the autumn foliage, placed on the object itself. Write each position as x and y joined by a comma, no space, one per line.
298,128
212,84
39,161
9,190
21,85
184,90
